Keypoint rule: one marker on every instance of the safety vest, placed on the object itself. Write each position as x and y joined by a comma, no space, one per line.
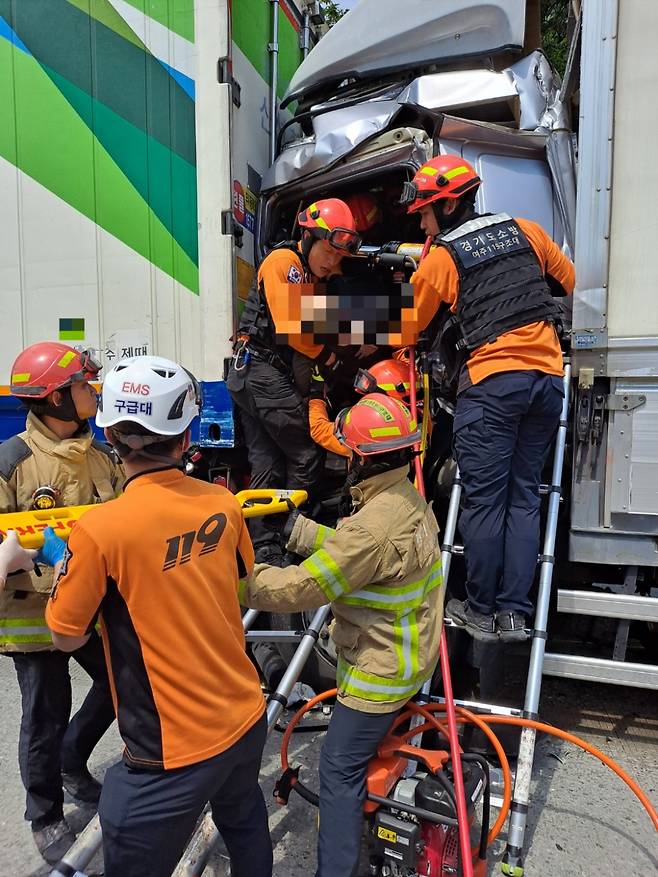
256,323
81,471
502,286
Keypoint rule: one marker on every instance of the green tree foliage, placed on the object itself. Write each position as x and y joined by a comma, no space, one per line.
554,18
332,11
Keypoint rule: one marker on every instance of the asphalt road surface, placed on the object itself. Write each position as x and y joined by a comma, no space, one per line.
582,819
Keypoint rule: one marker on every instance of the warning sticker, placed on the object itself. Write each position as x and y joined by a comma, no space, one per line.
387,835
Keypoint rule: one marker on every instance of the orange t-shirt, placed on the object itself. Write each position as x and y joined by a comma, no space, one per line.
160,567
532,347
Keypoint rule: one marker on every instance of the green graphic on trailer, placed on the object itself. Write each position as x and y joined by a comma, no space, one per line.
110,130
71,328
91,114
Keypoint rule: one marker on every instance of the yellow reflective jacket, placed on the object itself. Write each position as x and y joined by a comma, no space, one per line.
82,471
381,571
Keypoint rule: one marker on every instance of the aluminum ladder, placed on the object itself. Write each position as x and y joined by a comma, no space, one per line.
512,863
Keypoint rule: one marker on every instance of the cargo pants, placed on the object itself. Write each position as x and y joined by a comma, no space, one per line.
504,428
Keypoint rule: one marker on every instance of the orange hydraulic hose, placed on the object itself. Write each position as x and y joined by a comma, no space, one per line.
562,735
587,747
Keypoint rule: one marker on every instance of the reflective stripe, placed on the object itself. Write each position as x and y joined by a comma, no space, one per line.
400,599
322,534
38,621
327,574
382,431
368,686
242,590
24,630
455,172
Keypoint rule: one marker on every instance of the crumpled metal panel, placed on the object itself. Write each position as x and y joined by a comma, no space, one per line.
381,36
336,134
538,91
459,88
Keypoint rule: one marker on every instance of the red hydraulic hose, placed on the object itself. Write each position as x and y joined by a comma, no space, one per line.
453,737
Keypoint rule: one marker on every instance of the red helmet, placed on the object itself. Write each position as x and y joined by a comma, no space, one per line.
446,176
365,210
47,366
331,220
377,424
389,376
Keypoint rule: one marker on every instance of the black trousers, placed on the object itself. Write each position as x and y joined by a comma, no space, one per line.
147,816
504,428
48,741
274,419
351,741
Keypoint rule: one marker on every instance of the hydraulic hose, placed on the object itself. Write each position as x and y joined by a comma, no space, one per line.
463,717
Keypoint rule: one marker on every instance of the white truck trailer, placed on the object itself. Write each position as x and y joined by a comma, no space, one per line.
133,138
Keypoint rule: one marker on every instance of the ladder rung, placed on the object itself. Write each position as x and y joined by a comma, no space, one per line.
601,670
476,706
627,606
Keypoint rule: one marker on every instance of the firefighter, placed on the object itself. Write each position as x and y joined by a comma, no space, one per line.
389,376
55,462
381,571
272,403
269,379
499,276
160,566
367,216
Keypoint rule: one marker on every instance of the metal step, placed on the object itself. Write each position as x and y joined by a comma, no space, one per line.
627,606
601,670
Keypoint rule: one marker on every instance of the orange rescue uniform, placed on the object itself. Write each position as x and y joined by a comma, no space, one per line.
532,347
160,567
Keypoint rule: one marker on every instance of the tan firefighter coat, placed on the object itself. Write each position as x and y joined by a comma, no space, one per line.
82,471
381,571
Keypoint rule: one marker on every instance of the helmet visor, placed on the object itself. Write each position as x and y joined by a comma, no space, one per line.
344,239
365,382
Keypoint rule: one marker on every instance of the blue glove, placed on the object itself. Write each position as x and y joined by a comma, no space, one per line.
53,549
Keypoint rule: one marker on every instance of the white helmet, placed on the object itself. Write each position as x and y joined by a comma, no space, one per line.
157,393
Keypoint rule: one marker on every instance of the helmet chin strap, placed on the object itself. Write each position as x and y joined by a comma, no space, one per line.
66,411
447,222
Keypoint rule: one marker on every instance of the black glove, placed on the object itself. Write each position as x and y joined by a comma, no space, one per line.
289,526
318,386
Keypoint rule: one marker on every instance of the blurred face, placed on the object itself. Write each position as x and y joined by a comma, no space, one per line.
84,399
324,260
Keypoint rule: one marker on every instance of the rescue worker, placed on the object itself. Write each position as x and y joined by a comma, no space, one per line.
381,571
499,276
321,426
272,404
390,376
367,216
55,462
160,567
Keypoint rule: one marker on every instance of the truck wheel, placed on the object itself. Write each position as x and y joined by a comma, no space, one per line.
320,669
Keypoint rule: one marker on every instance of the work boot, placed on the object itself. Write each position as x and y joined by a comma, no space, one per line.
511,626
53,840
81,785
480,627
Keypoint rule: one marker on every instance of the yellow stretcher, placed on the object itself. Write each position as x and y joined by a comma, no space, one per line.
29,526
